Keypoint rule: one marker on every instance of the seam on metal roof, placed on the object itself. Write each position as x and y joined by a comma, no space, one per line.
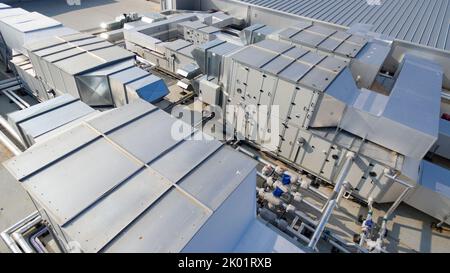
298,70
97,135
133,157
417,21
218,208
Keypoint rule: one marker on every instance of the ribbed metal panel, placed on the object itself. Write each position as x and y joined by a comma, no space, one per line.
418,21
141,189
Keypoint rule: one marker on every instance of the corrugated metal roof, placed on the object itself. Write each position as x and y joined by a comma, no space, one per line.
418,21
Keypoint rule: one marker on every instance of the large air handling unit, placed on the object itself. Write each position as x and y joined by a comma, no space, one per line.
235,126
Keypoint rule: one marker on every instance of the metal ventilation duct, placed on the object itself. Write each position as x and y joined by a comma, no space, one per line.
406,121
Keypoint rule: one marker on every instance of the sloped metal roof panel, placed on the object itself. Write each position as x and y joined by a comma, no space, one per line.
418,21
31,22
63,178
218,188
112,201
9,12
85,61
167,227
135,196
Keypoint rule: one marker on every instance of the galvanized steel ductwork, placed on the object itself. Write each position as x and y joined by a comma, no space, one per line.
53,60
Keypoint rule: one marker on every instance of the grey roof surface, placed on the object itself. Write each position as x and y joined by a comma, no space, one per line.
420,21
121,182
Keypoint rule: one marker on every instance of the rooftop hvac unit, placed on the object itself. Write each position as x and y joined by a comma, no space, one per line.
156,193
26,27
35,122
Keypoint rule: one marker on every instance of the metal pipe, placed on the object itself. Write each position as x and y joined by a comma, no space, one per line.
8,80
321,226
318,193
365,225
341,241
10,243
9,83
14,100
332,201
397,202
21,222
18,235
9,144
344,188
306,202
341,248
11,131
261,175
342,174
299,235
12,93
390,211
401,197
306,218
320,210
396,179
337,192
358,248
441,223
145,61
36,243
5,235
252,155
394,206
